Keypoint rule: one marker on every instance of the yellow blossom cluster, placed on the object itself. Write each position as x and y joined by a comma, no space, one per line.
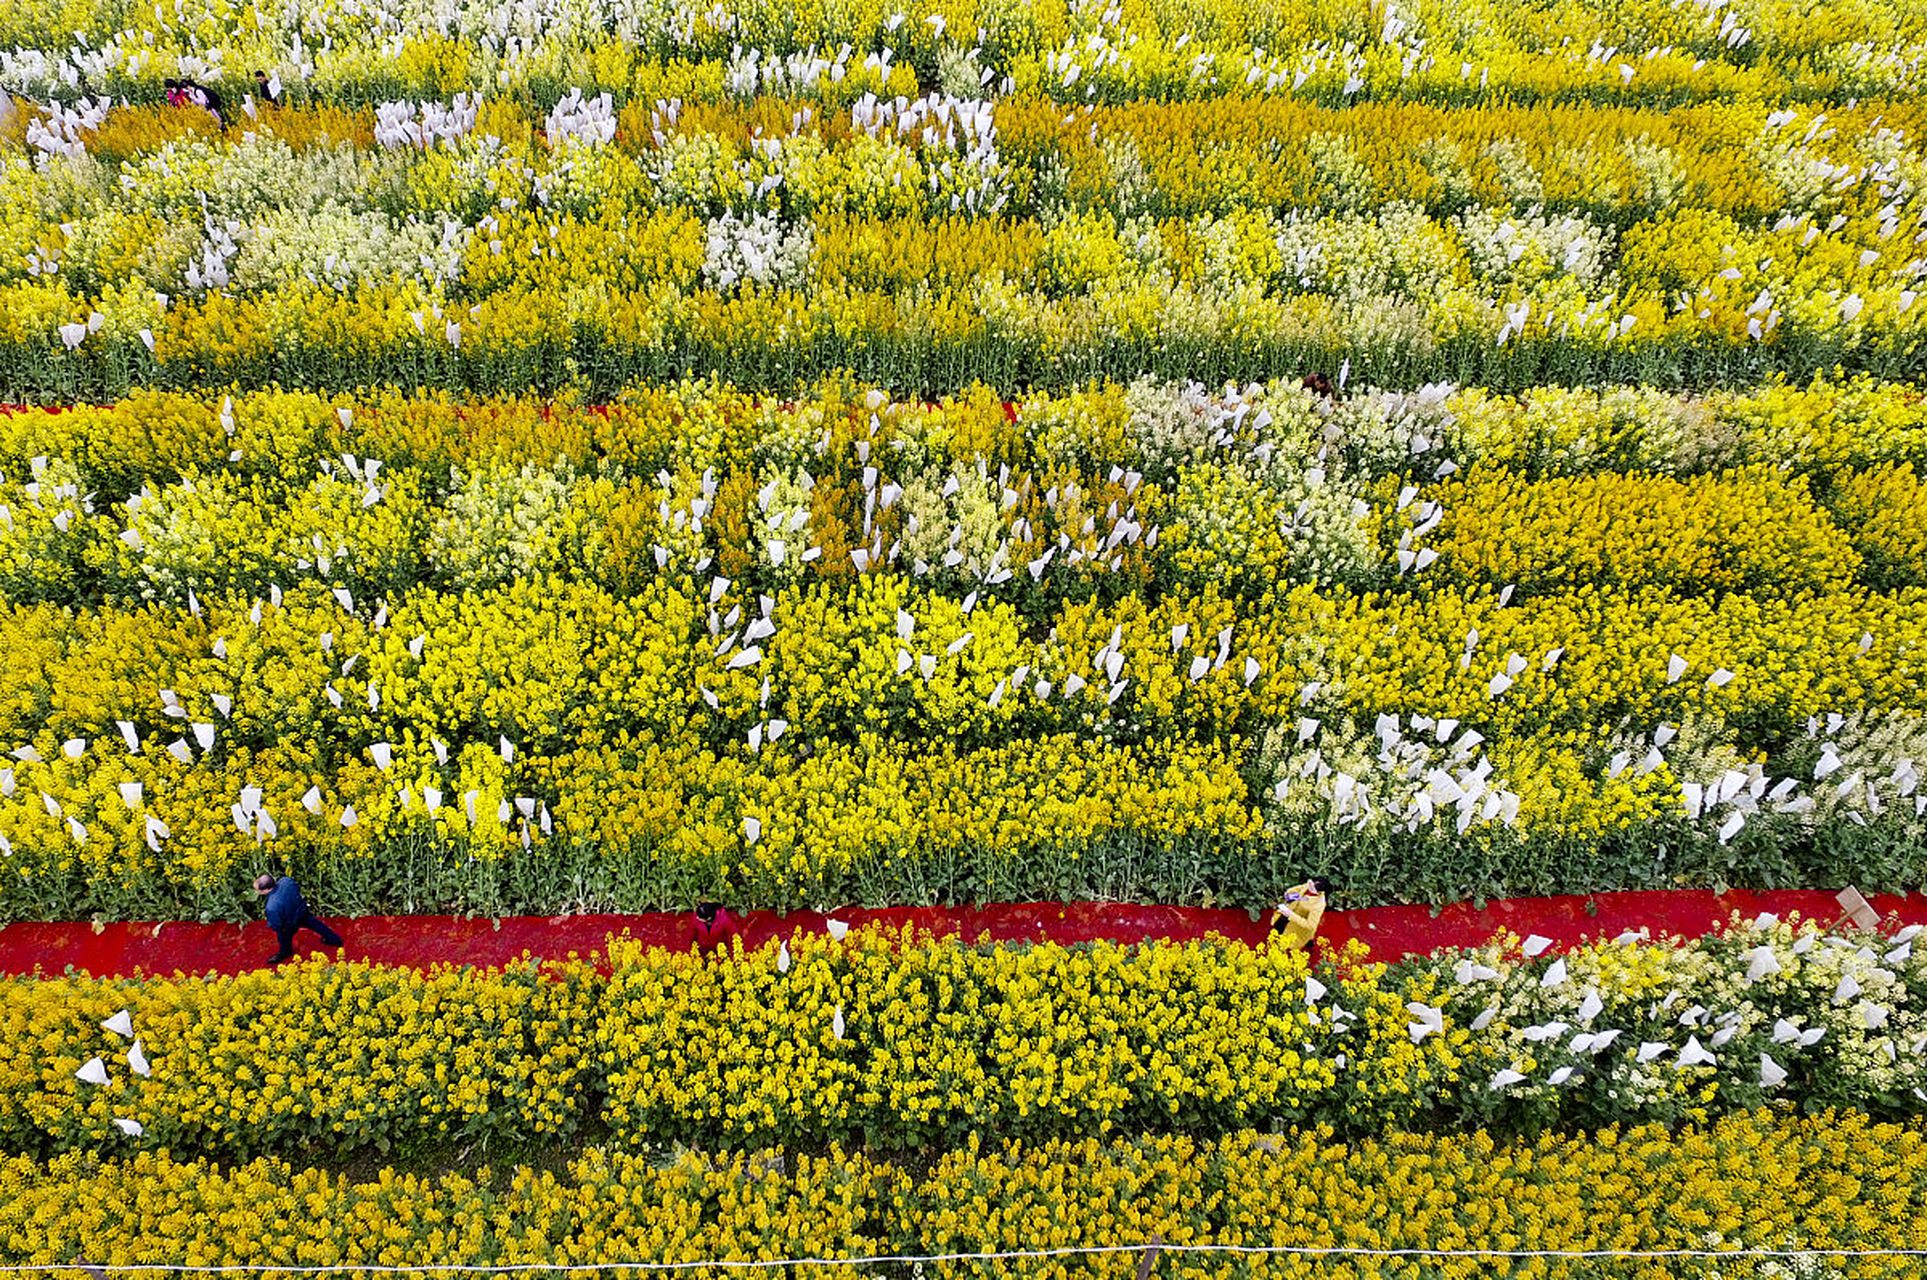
1798,1186
1884,510
351,1055
1749,530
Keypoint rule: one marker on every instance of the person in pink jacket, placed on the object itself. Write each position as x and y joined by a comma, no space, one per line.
713,927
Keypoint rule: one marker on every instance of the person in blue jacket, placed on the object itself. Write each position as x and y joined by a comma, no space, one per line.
288,911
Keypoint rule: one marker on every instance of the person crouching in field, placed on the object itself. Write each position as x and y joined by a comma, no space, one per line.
1295,920
287,911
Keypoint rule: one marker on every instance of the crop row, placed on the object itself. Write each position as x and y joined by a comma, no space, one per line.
904,154
847,649
1032,539
550,742
1799,1187
896,1043
921,247
1078,53
153,439
58,347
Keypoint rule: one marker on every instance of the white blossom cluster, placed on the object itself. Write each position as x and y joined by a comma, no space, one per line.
341,248
1768,999
246,177
954,527
759,249
1328,527
1258,453
971,175
1390,248
1526,248
424,124
1173,425
500,524
583,121
1862,768
208,271
682,511
750,72
1416,772
42,524
962,523
1384,432
58,130
781,527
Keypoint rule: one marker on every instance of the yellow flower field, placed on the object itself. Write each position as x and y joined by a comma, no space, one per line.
1131,640
893,1043
1795,1186
498,458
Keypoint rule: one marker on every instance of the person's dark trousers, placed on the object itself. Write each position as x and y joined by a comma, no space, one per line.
307,921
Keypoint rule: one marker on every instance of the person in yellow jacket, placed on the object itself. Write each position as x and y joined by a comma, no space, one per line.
1295,920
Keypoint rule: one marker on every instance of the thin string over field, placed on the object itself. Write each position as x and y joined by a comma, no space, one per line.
1015,1255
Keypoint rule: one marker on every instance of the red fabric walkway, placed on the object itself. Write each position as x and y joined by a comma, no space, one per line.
418,940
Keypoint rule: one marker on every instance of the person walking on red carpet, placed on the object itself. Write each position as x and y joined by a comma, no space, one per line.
287,911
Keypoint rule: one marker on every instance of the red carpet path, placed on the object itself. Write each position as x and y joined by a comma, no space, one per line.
418,940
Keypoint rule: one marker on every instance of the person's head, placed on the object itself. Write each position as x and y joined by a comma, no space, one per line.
170,84
1321,885
706,911
264,883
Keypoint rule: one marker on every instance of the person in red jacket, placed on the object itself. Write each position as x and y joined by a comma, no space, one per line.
714,927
